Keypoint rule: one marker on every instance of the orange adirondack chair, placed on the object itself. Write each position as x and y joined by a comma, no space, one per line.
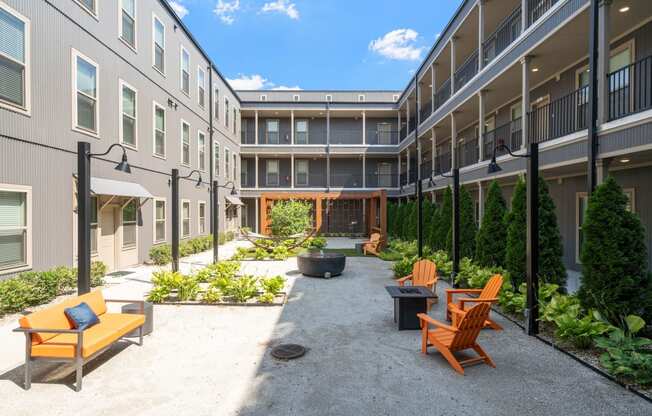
488,295
372,245
450,339
424,273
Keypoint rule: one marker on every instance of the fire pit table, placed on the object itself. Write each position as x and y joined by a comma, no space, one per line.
318,264
408,302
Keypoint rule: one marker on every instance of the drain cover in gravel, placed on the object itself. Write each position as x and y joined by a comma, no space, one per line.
288,351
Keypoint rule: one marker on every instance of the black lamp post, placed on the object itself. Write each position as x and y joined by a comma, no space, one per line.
455,226
215,212
175,213
532,245
84,156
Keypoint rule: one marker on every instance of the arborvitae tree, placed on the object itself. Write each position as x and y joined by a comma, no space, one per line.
468,228
391,219
412,221
516,234
400,221
432,227
615,280
442,225
428,209
407,220
551,251
492,236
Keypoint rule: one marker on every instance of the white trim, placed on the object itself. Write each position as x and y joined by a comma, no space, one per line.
181,51
27,190
27,90
201,70
216,158
121,84
133,47
93,13
156,105
199,167
199,204
182,123
165,221
225,109
154,19
184,236
75,54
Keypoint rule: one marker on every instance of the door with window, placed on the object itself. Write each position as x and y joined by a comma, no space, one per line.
14,229
106,251
272,132
302,169
271,173
384,174
516,136
129,247
384,133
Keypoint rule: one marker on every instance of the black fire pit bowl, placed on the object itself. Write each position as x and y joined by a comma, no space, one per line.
317,264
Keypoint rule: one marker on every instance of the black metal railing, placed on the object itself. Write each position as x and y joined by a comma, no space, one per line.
412,124
509,134
403,133
275,180
346,136
247,137
466,71
346,180
469,152
560,117
537,8
381,180
382,137
309,180
442,94
426,169
404,178
425,110
630,89
247,180
506,32
443,160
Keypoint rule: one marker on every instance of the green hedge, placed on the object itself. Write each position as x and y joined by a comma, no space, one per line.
161,254
36,288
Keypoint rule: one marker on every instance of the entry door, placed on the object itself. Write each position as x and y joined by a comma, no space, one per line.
107,240
384,175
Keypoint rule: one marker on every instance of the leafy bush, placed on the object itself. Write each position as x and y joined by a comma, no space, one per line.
441,226
212,295
468,227
515,302
272,285
315,243
260,254
290,217
559,305
266,298
580,331
167,282
443,262
515,256
403,267
280,253
226,269
475,276
242,289
490,240
161,254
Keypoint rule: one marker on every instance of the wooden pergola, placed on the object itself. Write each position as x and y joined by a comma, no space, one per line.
376,206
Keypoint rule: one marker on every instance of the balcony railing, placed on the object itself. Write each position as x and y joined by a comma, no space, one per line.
466,71
412,124
404,178
309,180
468,152
442,94
403,133
443,160
558,118
382,180
508,30
630,89
274,180
382,137
346,180
346,136
247,181
425,111
509,134
426,169
247,137
538,8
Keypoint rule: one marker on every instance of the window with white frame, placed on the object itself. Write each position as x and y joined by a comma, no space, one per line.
201,86
201,150
86,99
159,220
159,130
216,158
130,224
15,230
395,97
158,44
271,172
227,171
301,132
128,105
235,167
296,98
361,98
302,166
127,22
263,97
89,5
14,59
384,131
235,120
185,143
185,71
244,173
272,131
201,216
94,235
226,112
185,218
329,98
216,102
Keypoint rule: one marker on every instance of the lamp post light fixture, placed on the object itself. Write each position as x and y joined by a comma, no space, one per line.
455,226
84,156
215,212
532,244
175,213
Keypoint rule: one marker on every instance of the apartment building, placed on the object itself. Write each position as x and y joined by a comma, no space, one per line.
105,72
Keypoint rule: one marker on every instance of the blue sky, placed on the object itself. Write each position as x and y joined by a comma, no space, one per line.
316,44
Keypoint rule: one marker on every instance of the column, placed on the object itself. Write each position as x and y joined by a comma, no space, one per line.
263,215
525,94
603,61
452,43
256,125
480,34
292,170
364,127
481,124
453,142
256,172
364,170
292,130
407,164
318,213
417,101
434,150
399,125
525,13
480,202
432,89
602,170
257,215
328,150
399,170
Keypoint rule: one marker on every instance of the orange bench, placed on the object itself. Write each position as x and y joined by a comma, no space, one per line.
49,334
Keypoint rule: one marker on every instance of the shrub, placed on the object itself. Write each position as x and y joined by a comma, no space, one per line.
515,257
442,224
260,254
468,227
475,276
242,289
315,243
280,253
490,240
161,254
551,266
98,271
515,301
403,267
559,305
580,331
290,217
443,262
391,219
186,287
266,298
615,280
226,269
212,295
272,285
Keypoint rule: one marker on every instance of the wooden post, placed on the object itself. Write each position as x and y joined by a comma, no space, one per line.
318,218
371,222
383,215
263,215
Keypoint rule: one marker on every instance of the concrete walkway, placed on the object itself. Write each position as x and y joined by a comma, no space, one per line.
211,360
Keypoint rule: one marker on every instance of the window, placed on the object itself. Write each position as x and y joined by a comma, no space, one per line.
271,178
329,98
93,224
235,167
85,100
14,59
158,45
159,220
302,172
384,174
620,58
159,130
226,112
201,86
201,150
15,230
263,97
272,131
185,71
128,127
244,173
201,208
384,133
216,103
129,224
361,98
127,22
89,5
185,143
296,98
235,120
395,97
301,132
216,158
185,218
227,171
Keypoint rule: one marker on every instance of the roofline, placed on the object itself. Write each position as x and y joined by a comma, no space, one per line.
301,90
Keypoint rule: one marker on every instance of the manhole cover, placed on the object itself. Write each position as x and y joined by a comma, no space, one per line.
288,351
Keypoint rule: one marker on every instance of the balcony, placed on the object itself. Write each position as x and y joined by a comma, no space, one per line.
346,180
426,169
381,180
466,71
558,118
443,160
274,180
247,181
508,30
403,133
247,137
630,89
412,122
509,134
469,152
425,110
346,136
382,137
310,180
442,94
538,8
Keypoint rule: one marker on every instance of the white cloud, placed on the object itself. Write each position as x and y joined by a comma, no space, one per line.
179,8
397,44
225,10
282,6
256,82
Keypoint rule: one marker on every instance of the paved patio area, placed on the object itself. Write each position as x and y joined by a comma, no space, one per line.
211,360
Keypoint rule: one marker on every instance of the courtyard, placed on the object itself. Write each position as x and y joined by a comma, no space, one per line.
215,360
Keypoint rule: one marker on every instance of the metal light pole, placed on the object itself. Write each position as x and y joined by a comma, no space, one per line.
216,205
84,156
175,213
455,226
532,244
419,187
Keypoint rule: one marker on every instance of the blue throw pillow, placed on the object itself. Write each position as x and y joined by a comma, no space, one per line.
81,316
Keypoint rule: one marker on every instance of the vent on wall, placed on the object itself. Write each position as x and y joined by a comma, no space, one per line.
361,98
296,98
329,98
395,97
263,97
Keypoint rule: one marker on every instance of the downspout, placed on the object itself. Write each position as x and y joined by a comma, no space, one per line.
593,99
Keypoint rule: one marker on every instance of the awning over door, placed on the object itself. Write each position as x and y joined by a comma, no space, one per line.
233,200
100,186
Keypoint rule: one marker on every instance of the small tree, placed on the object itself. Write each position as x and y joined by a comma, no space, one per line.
468,228
403,221
432,223
428,208
516,234
492,236
290,217
391,218
551,251
442,225
615,280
